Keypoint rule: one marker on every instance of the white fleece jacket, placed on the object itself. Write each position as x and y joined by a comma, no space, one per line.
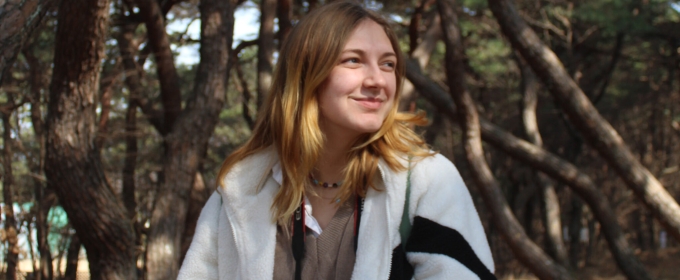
235,237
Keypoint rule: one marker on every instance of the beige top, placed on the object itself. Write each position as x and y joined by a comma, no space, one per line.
329,256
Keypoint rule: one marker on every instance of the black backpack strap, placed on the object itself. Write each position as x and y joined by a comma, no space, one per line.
298,236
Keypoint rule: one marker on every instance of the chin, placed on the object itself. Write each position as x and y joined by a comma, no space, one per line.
368,129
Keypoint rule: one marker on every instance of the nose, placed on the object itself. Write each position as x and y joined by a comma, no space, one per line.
375,77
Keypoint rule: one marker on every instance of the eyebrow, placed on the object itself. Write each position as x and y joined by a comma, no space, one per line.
362,52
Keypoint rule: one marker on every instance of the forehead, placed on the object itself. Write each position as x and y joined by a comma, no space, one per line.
369,35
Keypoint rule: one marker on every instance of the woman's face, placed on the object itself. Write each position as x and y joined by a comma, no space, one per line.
359,92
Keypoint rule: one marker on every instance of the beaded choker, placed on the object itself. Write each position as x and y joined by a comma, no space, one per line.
324,184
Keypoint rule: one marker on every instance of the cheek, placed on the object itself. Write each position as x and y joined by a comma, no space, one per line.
392,93
388,108
334,87
392,85
328,102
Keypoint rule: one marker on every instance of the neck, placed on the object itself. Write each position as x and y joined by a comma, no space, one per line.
333,158
332,161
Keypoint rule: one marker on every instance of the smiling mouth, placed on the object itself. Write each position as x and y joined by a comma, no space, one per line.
369,103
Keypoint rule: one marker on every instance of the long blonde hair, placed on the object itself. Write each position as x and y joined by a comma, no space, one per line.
289,118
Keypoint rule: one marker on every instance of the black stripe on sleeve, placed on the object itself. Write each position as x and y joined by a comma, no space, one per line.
401,268
430,237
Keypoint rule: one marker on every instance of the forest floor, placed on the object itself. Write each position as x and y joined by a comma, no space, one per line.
662,264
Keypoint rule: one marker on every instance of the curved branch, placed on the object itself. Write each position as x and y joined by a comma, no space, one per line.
133,73
597,131
546,162
530,254
549,202
610,68
165,64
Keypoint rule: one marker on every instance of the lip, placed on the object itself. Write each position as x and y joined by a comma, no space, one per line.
369,103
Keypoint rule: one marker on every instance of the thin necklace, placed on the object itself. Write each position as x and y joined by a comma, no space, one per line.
324,184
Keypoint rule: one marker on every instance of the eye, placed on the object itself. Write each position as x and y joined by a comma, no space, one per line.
388,65
351,60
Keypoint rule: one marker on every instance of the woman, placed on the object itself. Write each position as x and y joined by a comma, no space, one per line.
320,189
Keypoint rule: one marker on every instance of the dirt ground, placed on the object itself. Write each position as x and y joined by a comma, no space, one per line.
662,264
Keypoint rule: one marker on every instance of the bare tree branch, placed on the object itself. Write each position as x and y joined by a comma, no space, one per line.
530,254
549,202
543,161
165,64
595,129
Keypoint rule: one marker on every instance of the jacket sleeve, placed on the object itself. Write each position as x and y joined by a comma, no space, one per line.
447,239
200,261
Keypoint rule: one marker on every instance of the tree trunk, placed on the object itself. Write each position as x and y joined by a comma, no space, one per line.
574,231
284,11
133,70
523,198
434,128
73,164
130,162
312,5
265,49
526,250
609,71
416,21
129,166
241,85
106,84
596,130
18,19
545,162
132,81
422,53
29,241
12,257
165,64
187,142
72,256
422,48
44,202
550,205
199,195
43,198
